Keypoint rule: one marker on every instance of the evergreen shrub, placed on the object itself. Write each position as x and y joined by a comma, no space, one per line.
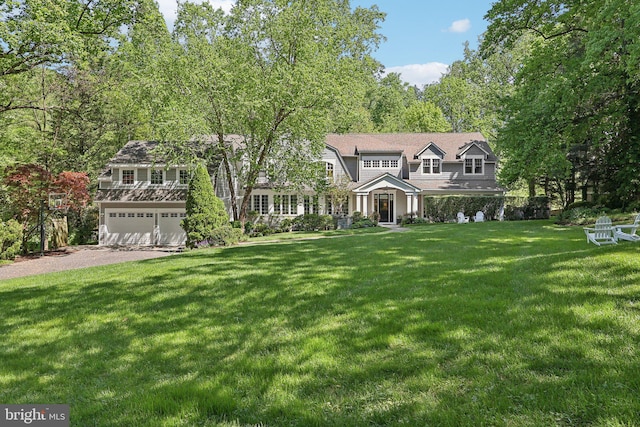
10,238
205,211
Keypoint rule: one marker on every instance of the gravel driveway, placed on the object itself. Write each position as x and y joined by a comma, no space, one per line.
78,257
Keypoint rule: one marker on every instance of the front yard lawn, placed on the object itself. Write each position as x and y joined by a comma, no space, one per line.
515,324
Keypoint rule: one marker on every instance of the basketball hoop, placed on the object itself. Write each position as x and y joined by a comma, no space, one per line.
58,202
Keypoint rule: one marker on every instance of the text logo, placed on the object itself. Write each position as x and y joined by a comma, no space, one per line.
34,415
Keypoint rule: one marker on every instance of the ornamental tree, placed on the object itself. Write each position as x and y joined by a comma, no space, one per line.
205,211
28,188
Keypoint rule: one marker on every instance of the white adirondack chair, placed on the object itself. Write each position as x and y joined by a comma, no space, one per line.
462,219
479,217
603,233
630,233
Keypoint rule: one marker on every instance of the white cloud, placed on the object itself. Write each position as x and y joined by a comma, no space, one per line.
420,74
169,8
461,26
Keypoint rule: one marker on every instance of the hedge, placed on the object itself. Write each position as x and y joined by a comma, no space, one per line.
445,208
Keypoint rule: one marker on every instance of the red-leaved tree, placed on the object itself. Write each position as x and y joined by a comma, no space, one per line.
28,189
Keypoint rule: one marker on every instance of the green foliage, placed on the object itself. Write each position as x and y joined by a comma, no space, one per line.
83,225
426,117
524,208
274,73
10,238
445,209
205,211
573,120
313,222
361,221
225,236
508,324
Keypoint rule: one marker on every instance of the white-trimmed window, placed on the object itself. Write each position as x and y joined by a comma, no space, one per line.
394,164
183,177
261,203
285,204
310,204
128,176
157,176
367,164
329,168
473,166
431,166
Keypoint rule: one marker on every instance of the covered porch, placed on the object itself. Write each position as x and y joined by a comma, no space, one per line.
389,196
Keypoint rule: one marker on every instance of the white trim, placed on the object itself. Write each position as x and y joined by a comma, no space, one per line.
473,158
431,159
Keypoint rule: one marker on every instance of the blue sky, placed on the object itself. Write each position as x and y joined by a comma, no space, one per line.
423,36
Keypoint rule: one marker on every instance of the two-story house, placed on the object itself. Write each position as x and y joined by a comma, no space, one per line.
142,201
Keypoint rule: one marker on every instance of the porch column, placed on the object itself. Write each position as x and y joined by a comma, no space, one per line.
358,203
409,204
414,204
365,207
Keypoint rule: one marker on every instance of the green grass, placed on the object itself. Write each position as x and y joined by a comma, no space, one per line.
508,324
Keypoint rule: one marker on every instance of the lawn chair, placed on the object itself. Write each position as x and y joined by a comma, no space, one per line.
462,219
630,234
603,233
479,217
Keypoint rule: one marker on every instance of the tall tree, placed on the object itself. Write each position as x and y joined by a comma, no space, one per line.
36,33
271,72
576,96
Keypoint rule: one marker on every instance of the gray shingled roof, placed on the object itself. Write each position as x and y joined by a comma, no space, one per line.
149,195
136,152
409,143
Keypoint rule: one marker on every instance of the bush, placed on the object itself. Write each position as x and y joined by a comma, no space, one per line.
10,239
83,224
205,212
313,222
225,236
445,208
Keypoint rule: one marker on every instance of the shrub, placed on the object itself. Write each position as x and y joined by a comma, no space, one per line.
205,212
225,236
445,208
10,239
82,225
313,222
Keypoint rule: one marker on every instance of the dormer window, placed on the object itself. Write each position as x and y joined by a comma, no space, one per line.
157,177
128,176
431,166
183,177
473,166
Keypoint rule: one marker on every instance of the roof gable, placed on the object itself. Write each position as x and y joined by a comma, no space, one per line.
432,148
473,148
410,144
386,180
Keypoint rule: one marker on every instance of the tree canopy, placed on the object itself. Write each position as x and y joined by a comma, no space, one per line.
573,121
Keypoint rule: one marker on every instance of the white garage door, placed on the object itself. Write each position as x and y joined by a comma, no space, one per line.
129,227
170,232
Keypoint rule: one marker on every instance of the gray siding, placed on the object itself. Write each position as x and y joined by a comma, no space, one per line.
143,175
367,174
171,175
475,151
352,166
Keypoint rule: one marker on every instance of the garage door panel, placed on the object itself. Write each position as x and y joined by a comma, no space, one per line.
129,228
170,231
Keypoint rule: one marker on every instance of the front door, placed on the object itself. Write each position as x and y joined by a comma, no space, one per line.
384,206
